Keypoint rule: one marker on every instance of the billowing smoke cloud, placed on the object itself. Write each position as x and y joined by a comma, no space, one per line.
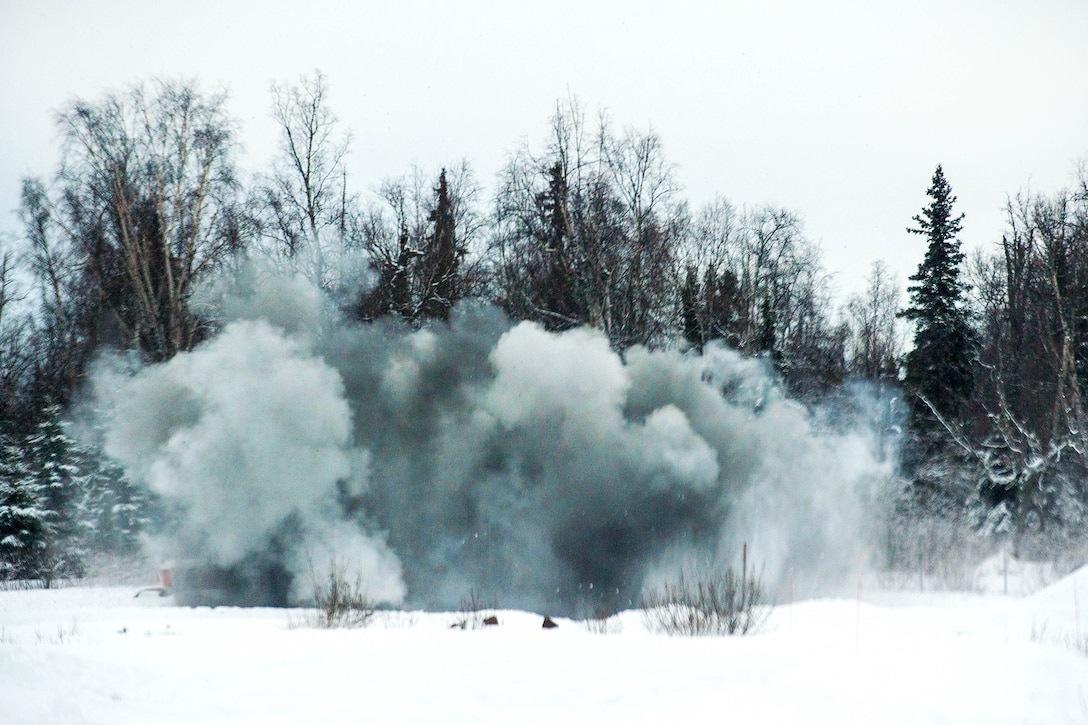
540,470
247,438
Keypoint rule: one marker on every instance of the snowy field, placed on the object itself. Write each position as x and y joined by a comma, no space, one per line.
99,655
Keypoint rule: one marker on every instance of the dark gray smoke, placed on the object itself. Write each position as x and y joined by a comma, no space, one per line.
540,470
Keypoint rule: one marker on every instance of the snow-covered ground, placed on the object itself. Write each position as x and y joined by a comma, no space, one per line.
99,655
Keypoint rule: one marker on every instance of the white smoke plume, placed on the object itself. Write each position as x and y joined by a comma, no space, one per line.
248,434
541,470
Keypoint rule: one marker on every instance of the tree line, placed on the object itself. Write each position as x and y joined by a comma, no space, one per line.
589,228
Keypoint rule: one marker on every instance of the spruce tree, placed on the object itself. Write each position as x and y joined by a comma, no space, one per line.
766,342
112,510
22,518
50,461
442,258
554,282
691,311
708,310
940,368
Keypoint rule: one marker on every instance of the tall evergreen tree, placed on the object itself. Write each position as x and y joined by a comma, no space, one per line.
441,259
49,457
22,518
766,341
708,310
112,511
691,309
940,368
554,289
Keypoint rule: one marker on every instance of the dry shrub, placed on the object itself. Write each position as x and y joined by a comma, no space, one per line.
474,613
1040,632
603,625
715,603
934,552
340,601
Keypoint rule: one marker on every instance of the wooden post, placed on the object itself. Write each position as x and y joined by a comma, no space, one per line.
857,620
1076,615
744,574
1005,565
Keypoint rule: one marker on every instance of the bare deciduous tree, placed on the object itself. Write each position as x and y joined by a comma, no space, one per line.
878,336
764,292
145,206
1031,445
587,233
424,245
307,209
16,359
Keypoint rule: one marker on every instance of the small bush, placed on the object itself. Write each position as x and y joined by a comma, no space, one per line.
64,634
603,625
717,603
340,602
1040,633
933,552
474,614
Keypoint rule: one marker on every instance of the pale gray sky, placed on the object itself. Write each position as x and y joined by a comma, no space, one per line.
838,110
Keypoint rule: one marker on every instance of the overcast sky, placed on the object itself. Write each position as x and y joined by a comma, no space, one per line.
838,110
